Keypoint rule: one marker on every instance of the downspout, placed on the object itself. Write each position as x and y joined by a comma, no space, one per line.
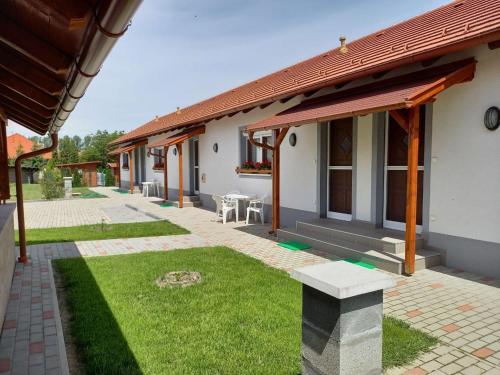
19,193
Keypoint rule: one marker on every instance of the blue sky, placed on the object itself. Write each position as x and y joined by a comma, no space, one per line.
178,52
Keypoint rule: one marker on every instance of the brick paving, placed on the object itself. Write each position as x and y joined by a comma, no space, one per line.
461,309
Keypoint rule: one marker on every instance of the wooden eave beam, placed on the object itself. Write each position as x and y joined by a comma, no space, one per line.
430,62
458,76
380,74
287,99
75,11
31,46
27,123
401,117
8,103
262,106
311,93
494,45
29,116
27,90
24,102
14,63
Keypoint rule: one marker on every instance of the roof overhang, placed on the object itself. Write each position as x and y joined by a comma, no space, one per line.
49,53
401,92
178,138
128,148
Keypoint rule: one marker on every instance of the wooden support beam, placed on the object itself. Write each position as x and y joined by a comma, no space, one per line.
252,140
24,102
279,135
16,64
165,173
131,171
262,106
401,117
28,123
34,48
379,75
411,190
75,11
4,162
284,100
181,180
26,89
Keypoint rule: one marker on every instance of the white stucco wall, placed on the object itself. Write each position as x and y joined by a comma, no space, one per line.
298,168
363,170
465,169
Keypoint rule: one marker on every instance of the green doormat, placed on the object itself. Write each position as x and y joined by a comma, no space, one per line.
294,245
120,191
166,205
360,263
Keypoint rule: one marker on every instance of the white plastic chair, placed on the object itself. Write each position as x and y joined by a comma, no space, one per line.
224,208
257,207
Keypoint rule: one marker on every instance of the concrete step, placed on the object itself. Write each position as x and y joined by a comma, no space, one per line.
191,198
196,203
380,239
344,249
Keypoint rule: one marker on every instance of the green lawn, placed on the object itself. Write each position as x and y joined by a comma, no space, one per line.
244,317
101,232
32,192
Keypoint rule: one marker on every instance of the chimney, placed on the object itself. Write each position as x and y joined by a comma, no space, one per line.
343,45
178,111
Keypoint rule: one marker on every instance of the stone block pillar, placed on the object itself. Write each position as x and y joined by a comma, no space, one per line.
68,187
341,318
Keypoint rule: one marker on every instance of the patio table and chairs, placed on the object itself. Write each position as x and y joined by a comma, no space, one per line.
257,207
153,185
224,207
236,197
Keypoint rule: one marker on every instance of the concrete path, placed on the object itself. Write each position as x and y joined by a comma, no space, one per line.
462,309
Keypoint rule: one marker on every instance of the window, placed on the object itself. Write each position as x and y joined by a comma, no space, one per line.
125,161
158,158
253,157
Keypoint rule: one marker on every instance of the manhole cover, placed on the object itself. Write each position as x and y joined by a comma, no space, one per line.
178,278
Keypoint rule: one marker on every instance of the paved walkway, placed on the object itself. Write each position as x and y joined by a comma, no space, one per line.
462,309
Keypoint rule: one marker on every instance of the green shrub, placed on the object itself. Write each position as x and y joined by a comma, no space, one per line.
109,180
51,183
77,178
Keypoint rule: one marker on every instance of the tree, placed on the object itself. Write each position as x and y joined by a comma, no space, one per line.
67,151
98,147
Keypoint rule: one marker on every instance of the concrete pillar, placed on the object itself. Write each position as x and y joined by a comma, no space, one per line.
341,318
68,187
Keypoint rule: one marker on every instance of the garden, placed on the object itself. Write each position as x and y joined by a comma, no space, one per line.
239,316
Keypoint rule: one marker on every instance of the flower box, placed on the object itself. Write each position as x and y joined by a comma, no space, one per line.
253,171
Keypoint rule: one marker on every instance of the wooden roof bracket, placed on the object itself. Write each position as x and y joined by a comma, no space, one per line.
252,140
402,117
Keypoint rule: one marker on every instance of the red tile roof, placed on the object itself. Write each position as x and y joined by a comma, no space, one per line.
452,27
17,140
400,92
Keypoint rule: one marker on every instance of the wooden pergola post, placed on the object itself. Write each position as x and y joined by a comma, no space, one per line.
165,173
4,161
131,171
181,188
279,135
411,189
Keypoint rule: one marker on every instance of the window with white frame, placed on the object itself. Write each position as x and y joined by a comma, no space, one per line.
253,157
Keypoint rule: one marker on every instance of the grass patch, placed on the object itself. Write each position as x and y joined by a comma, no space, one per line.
101,232
33,192
243,318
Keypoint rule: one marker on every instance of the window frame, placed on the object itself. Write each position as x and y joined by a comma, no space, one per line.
158,161
125,161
